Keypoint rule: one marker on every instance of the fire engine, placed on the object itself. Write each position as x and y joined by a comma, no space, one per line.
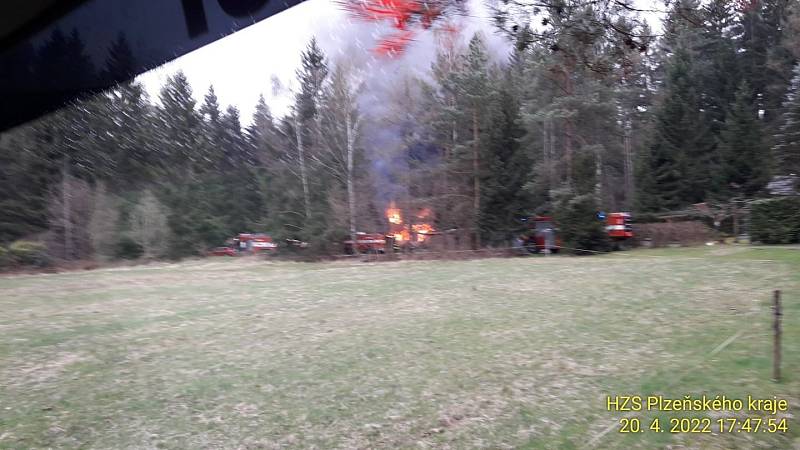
542,236
365,243
618,226
254,243
246,243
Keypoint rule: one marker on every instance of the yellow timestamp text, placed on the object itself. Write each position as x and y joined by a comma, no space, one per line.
704,425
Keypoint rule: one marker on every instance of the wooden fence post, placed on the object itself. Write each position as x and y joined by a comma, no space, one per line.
776,351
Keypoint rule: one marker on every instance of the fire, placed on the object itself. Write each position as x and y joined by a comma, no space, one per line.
401,236
418,232
422,230
393,214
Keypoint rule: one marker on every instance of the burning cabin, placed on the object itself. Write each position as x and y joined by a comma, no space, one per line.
411,233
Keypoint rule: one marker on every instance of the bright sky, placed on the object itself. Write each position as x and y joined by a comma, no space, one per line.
242,65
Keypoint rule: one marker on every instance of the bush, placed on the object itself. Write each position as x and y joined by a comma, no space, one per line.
5,257
29,253
127,248
663,234
775,220
579,226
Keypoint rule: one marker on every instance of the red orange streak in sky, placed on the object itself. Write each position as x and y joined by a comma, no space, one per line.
402,14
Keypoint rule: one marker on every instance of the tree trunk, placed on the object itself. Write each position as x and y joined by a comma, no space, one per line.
303,173
351,194
546,151
598,177
628,167
552,148
66,214
476,176
568,127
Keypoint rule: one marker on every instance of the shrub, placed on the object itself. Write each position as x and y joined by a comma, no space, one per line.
29,253
662,234
579,226
5,257
775,220
127,248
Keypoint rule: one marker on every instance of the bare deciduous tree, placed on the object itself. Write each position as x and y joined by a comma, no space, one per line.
69,212
149,225
340,123
103,226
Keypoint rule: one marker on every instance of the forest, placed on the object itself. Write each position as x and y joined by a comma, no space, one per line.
592,111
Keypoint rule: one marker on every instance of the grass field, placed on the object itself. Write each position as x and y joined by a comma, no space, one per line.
492,353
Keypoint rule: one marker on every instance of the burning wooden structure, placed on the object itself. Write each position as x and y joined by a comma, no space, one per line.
412,233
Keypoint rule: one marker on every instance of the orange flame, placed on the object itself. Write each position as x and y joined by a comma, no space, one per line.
419,232
422,230
393,214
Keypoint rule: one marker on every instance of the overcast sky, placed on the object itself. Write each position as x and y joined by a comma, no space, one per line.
242,65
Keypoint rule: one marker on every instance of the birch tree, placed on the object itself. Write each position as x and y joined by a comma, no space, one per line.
340,122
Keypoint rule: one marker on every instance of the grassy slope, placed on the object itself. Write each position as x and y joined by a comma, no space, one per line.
488,353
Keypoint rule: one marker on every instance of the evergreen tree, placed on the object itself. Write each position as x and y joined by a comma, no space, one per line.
758,37
263,134
506,169
212,135
311,77
23,186
787,140
679,169
178,127
123,124
473,91
234,146
745,157
120,63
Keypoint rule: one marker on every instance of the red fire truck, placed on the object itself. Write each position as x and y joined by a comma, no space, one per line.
366,243
246,243
254,243
618,226
542,236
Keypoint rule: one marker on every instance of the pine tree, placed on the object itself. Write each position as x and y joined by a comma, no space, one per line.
23,186
178,126
787,140
237,154
745,157
120,63
263,134
62,66
124,124
311,76
506,168
679,168
473,90
758,37
213,133
715,65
